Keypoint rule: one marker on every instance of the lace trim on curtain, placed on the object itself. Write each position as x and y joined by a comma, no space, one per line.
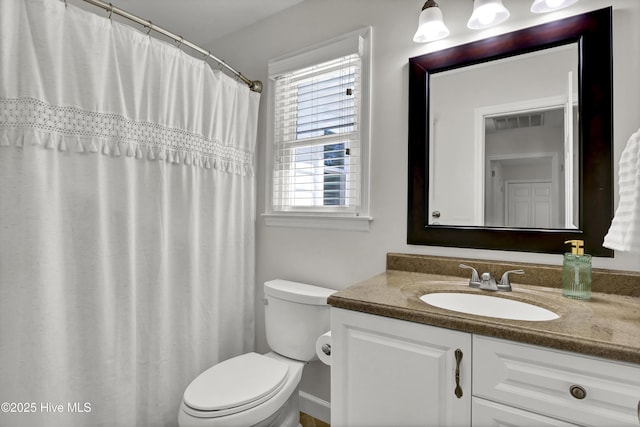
73,129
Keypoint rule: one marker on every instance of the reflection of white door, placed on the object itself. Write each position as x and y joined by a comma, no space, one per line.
528,204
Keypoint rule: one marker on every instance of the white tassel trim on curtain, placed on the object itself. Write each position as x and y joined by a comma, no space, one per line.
74,130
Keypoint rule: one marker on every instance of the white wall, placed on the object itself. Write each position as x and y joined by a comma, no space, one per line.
337,259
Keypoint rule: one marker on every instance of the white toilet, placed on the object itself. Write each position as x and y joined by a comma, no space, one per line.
262,390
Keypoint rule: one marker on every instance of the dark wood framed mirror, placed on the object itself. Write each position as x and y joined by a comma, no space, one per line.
592,34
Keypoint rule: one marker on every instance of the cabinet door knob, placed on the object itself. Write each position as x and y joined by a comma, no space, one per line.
458,390
577,392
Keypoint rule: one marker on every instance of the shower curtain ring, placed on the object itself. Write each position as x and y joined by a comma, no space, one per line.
150,27
207,54
181,40
110,10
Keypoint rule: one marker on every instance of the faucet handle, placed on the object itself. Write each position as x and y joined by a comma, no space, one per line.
505,283
474,282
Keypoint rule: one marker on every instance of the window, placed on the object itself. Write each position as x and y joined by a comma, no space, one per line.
320,134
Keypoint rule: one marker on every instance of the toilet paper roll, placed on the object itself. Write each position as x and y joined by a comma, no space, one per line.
323,348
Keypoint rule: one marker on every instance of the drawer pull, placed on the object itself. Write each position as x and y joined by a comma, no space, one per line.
458,390
577,392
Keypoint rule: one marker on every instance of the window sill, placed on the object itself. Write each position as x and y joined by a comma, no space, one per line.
327,222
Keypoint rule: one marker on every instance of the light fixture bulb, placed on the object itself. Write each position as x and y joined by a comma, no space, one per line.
487,13
430,24
486,16
542,6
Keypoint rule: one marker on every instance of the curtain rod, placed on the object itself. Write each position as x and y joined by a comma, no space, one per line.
255,85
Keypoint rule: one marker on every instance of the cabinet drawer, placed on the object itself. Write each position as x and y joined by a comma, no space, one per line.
490,414
540,380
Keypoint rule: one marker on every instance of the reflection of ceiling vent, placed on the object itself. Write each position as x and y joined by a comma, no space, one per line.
518,121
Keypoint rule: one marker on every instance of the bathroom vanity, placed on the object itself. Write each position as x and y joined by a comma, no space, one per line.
400,361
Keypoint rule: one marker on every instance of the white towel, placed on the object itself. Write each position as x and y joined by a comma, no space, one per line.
624,233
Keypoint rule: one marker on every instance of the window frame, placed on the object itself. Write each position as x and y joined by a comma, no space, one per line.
329,218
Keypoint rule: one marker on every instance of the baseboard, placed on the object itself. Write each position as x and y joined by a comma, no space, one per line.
316,407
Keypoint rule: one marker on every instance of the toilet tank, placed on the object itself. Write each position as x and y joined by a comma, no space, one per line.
296,314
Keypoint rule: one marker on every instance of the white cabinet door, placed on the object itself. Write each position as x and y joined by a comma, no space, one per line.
491,414
388,372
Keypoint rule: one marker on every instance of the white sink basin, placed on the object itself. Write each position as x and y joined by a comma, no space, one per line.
490,306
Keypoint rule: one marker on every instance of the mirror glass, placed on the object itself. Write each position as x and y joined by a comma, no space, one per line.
510,140
503,151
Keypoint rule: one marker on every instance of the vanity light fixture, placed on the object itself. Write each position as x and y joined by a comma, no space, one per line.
487,13
542,6
430,24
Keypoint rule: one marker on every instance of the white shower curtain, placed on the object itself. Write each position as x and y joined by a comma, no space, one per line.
126,219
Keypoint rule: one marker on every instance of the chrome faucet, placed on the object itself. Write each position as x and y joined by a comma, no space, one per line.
487,282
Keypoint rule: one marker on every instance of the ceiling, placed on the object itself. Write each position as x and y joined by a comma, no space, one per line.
199,21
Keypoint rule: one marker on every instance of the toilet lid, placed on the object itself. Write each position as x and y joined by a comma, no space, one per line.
235,382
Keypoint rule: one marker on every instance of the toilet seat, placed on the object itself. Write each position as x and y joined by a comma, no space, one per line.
235,385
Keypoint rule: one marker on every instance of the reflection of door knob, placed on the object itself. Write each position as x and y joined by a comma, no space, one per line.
435,214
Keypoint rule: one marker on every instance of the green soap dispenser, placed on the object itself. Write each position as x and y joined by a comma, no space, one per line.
576,272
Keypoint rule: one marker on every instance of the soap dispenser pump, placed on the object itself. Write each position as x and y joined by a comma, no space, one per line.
576,272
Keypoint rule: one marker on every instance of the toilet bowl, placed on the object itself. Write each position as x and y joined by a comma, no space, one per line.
216,398
261,390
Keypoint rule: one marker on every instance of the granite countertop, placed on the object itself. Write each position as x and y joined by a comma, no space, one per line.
607,326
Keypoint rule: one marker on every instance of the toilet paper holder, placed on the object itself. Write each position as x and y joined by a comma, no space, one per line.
323,348
326,349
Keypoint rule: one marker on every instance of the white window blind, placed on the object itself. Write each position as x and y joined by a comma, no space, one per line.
319,155
317,139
